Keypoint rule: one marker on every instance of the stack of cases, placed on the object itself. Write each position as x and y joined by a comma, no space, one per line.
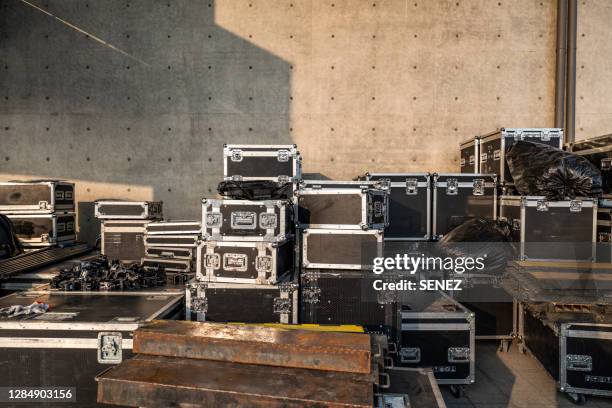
245,261
43,212
341,227
124,225
172,244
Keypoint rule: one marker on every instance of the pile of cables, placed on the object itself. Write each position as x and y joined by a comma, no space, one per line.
102,274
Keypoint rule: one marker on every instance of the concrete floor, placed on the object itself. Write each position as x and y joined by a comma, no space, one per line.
513,380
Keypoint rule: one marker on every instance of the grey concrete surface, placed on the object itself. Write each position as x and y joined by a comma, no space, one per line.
513,380
134,99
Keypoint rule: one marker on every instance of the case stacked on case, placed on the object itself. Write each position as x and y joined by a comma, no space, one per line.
245,261
42,211
123,227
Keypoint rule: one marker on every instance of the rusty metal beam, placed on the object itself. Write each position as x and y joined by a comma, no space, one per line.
161,382
249,344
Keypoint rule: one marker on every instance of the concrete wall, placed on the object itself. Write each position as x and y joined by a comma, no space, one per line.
135,98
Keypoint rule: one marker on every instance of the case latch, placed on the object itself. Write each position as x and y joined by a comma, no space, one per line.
577,362
43,205
213,220
575,206
283,156
606,164
412,186
458,354
452,186
542,205
267,220
411,355
263,264
109,348
516,224
236,155
282,305
478,187
59,195
545,136
496,154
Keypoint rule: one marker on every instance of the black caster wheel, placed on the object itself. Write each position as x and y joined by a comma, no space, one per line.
578,399
457,391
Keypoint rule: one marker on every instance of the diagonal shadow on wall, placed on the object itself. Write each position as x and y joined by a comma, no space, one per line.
133,98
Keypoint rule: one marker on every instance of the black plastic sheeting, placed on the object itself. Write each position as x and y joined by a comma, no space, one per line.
479,237
255,190
9,244
541,170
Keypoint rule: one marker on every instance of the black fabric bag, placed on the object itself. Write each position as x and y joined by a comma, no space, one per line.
480,237
541,170
255,190
9,243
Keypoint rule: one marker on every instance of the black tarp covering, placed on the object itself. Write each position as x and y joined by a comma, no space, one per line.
255,190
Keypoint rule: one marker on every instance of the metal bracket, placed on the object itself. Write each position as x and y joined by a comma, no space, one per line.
43,205
576,362
412,186
452,186
263,264
236,155
575,206
284,179
212,261
497,154
459,355
109,348
545,136
606,164
483,157
59,195
283,156
542,205
282,305
478,187
472,159
199,305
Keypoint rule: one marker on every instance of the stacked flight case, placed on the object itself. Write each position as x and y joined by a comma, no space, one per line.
246,256
124,225
172,244
341,226
42,211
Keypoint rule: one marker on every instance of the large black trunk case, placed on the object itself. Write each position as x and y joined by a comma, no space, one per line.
342,204
574,349
281,163
244,220
340,249
598,150
123,240
36,197
469,155
128,210
461,197
61,348
44,229
245,303
346,297
494,147
552,230
436,331
244,262
409,205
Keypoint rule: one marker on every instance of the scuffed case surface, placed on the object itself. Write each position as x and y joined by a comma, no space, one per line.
128,246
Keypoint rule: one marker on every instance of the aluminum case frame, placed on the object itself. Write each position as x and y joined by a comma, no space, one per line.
280,232
270,275
469,155
173,227
285,305
478,181
369,191
59,233
541,134
65,193
410,186
467,324
151,210
378,234
539,202
184,241
237,152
